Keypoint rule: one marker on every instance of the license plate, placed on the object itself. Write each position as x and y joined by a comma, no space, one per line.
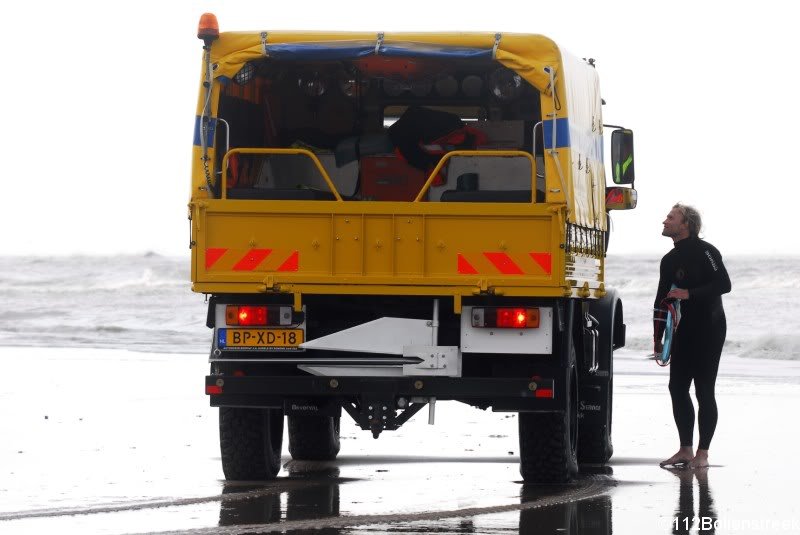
259,338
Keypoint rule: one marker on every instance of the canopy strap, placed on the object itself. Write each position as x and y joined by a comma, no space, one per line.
378,43
551,87
264,43
205,121
497,38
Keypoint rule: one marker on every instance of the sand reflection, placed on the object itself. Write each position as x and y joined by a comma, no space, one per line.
686,517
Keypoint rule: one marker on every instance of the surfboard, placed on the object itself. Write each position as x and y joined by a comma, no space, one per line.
673,307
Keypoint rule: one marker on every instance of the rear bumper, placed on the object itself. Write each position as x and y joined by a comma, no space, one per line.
502,394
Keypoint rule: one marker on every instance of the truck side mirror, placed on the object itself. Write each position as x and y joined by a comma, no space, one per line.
622,156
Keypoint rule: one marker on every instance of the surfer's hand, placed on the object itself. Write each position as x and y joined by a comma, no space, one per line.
678,293
658,347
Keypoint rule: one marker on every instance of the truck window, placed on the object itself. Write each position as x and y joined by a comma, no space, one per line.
378,127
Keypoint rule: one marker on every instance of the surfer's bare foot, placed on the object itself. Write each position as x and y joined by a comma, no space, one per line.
684,456
700,460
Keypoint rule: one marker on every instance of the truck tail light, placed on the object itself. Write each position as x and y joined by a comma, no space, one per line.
246,315
261,316
505,317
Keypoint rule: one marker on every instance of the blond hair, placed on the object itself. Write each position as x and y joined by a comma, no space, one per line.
691,217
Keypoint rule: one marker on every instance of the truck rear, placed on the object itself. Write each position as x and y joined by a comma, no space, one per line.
384,221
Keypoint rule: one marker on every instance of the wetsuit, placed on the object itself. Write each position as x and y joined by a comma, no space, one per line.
696,266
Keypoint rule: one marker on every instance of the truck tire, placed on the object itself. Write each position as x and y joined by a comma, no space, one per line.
548,441
314,438
594,444
250,442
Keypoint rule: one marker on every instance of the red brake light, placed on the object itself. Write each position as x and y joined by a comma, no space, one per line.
245,315
512,318
252,315
262,315
506,318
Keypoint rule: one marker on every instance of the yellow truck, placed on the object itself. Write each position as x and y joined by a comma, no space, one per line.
382,221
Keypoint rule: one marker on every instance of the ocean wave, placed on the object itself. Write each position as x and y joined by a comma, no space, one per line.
765,282
643,343
772,346
146,279
192,340
144,302
111,329
635,275
634,286
646,285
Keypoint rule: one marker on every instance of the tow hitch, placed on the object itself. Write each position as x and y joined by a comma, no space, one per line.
375,413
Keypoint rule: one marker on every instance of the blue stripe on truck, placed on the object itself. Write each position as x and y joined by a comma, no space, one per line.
562,133
212,126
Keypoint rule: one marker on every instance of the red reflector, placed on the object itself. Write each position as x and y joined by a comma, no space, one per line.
213,389
231,315
544,393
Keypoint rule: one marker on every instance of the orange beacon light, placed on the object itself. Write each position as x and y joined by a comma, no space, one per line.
208,28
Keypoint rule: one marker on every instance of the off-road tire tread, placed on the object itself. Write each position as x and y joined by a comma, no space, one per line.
543,452
314,438
247,453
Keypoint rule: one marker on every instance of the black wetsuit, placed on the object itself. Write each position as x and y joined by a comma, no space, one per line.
696,266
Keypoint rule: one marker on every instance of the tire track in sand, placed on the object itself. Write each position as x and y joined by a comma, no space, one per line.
587,489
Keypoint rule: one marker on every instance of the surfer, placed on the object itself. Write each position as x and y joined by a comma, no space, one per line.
699,277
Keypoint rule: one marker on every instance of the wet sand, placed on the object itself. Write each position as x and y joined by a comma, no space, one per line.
102,441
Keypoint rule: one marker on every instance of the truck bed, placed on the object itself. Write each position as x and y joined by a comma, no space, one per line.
353,247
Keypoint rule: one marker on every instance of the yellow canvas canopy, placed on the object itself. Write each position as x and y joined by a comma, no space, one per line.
572,124
528,55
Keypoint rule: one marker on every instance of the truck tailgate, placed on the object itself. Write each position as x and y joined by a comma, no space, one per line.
354,247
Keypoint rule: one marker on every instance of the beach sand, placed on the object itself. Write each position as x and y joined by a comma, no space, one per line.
110,441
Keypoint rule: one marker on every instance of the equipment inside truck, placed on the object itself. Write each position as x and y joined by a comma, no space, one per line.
378,127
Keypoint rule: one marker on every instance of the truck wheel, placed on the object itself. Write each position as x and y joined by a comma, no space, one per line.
548,441
314,438
250,442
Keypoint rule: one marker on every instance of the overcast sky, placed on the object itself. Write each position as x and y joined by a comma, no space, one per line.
99,104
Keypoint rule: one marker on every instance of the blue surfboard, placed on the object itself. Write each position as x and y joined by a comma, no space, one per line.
671,322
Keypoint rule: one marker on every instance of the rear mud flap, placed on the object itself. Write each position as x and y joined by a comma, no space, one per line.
312,407
591,403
